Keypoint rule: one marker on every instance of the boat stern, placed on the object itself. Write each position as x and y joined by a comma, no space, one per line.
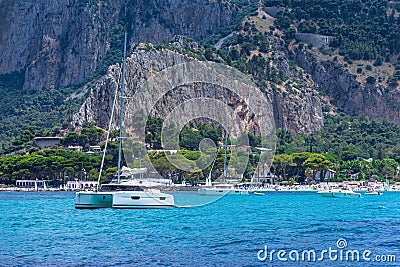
93,200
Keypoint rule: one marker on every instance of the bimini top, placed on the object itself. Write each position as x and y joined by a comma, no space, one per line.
125,171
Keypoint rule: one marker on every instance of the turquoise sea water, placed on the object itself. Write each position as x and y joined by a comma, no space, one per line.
44,229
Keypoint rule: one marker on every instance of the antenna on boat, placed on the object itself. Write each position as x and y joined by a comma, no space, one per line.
121,112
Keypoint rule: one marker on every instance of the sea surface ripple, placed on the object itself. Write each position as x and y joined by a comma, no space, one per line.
44,229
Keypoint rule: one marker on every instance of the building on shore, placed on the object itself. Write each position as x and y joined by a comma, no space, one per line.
262,175
46,142
31,184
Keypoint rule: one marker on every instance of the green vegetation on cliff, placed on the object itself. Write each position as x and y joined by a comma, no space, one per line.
344,146
347,138
47,111
367,30
361,30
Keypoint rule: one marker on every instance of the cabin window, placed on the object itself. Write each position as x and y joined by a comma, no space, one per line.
135,197
162,198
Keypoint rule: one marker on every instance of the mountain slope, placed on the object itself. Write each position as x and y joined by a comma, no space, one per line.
60,43
55,53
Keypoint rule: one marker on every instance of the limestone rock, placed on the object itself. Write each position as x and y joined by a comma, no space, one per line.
62,42
375,101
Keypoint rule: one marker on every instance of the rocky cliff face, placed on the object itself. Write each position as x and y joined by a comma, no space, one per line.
291,112
142,65
59,43
56,43
159,21
298,114
375,101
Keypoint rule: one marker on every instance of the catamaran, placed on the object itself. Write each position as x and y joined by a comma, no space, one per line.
123,194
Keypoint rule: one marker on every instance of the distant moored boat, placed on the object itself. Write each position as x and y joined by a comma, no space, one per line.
339,193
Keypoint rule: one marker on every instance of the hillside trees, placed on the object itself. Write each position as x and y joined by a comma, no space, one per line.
361,30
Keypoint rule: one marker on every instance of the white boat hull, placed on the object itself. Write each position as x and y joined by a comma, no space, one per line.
339,194
261,190
142,200
221,192
93,200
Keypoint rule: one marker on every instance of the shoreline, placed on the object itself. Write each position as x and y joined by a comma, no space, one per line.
195,188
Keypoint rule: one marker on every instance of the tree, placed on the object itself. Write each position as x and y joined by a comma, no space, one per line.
282,162
389,167
153,132
71,139
189,138
371,80
68,172
298,159
317,162
93,134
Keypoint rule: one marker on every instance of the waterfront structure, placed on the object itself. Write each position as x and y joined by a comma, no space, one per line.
46,142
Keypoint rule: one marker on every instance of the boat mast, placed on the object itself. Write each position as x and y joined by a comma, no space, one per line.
107,137
121,112
225,147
